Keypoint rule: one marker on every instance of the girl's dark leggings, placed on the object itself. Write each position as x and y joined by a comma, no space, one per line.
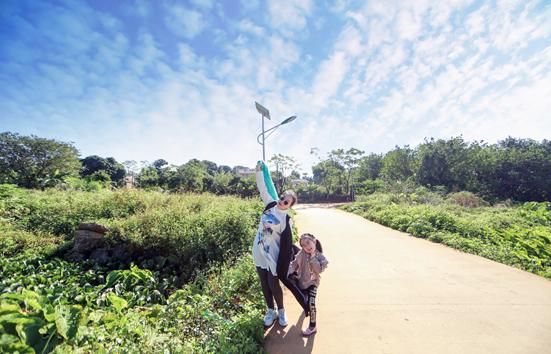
312,292
270,288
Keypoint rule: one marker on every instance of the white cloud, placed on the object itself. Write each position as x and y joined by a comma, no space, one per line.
397,72
328,79
409,27
476,23
289,16
185,22
440,80
147,54
248,26
187,55
350,41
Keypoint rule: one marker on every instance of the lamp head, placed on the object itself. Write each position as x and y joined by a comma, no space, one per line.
289,120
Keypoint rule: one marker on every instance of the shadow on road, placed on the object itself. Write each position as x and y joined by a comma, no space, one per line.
289,339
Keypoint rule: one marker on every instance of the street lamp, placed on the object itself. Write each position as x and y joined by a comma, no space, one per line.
266,114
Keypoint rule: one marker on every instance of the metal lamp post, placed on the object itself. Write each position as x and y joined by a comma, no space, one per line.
266,114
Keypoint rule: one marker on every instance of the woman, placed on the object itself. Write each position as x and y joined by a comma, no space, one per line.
272,247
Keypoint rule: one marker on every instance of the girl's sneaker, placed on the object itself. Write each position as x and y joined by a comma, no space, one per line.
309,331
270,317
282,318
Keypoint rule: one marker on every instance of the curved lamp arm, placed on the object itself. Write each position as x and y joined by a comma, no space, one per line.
266,136
288,120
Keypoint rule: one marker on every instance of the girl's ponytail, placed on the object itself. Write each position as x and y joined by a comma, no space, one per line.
318,246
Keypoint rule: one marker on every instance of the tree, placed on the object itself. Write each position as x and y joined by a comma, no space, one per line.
444,163
116,170
148,177
337,173
398,164
224,168
159,164
284,165
369,167
244,187
349,160
33,162
211,170
328,174
132,168
210,167
522,170
92,165
221,183
189,177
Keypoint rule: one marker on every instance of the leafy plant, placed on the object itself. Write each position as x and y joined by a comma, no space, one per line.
519,235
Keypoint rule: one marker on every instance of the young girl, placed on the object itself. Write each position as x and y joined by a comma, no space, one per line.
305,269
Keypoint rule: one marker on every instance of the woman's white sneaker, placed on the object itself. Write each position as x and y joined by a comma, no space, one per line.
270,317
282,318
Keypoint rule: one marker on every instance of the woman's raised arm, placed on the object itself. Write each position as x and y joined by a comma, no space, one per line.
265,184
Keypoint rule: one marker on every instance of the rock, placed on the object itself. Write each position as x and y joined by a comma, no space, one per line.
122,252
101,255
73,256
100,229
87,241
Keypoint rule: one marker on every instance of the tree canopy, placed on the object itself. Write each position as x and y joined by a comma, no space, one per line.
514,168
95,166
33,162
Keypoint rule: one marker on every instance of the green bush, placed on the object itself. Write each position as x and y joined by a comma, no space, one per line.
519,235
60,212
53,304
13,242
467,199
190,234
49,304
370,186
84,184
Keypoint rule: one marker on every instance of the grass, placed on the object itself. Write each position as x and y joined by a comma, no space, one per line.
516,235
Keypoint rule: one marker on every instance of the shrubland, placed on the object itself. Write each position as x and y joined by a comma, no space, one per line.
187,284
514,234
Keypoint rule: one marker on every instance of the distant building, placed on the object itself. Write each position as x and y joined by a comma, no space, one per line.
129,181
299,182
243,172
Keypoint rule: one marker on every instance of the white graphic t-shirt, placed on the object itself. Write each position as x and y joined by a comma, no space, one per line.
266,242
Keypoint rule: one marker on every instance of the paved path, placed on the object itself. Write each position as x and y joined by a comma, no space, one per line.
387,292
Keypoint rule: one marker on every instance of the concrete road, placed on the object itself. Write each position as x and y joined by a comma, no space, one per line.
387,292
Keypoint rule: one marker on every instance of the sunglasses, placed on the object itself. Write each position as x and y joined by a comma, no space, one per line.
285,202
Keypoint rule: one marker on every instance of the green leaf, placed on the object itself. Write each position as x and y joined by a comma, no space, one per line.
33,304
117,302
112,278
12,344
29,333
16,318
67,320
6,339
142,274
13,296
8,308
95,316
49,313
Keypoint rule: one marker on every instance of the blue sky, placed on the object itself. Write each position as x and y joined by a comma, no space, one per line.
142,80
